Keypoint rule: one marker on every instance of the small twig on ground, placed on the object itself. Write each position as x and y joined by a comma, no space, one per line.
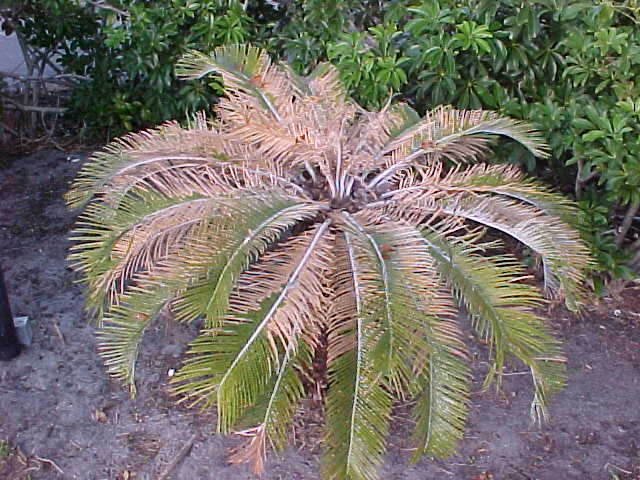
50,462
517,470
59,333
184,451
608,466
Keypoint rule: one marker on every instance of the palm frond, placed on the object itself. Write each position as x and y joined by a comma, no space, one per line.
384,298
369,134
440,411
510,181
211,356
171,281
273,413
255,228
506,180
139,155
148,227
121,331
503,310
233,364
397,278
456,135
107,257
304,301
564,255
404,124
244,69
358,406
357,413
425,335
174,161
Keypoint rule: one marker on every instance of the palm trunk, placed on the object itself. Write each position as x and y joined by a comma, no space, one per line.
9,346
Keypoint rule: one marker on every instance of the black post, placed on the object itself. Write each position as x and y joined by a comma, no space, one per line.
9,346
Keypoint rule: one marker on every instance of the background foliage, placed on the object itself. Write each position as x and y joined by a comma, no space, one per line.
570,67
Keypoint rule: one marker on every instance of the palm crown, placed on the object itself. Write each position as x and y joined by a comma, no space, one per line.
298,223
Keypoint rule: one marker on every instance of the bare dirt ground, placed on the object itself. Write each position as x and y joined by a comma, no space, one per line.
61,417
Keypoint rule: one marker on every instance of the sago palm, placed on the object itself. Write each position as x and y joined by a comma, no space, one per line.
297,226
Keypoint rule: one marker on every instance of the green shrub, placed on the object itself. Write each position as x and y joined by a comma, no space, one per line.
568,66
128,54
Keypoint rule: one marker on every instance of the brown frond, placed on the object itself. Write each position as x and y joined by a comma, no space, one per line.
345,302
303,308
138,156
325,85
460,136
162,232
253,450
248,74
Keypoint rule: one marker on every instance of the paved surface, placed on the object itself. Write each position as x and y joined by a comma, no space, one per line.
10,55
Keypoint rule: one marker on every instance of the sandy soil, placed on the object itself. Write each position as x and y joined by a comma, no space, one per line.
61,417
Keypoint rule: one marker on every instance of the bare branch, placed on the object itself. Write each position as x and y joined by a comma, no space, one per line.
626,223
34,108
63,79
106,6
582,181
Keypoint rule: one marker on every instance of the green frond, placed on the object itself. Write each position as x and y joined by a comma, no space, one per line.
357,413
244,68
393,282
233,364
422,340
238,62
440,411
272,414
387,296
173,277
503,311
256,226
106,253
121,331
490,124
275,410
510,181
239,345
457,135
148,227
358,406
564,255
